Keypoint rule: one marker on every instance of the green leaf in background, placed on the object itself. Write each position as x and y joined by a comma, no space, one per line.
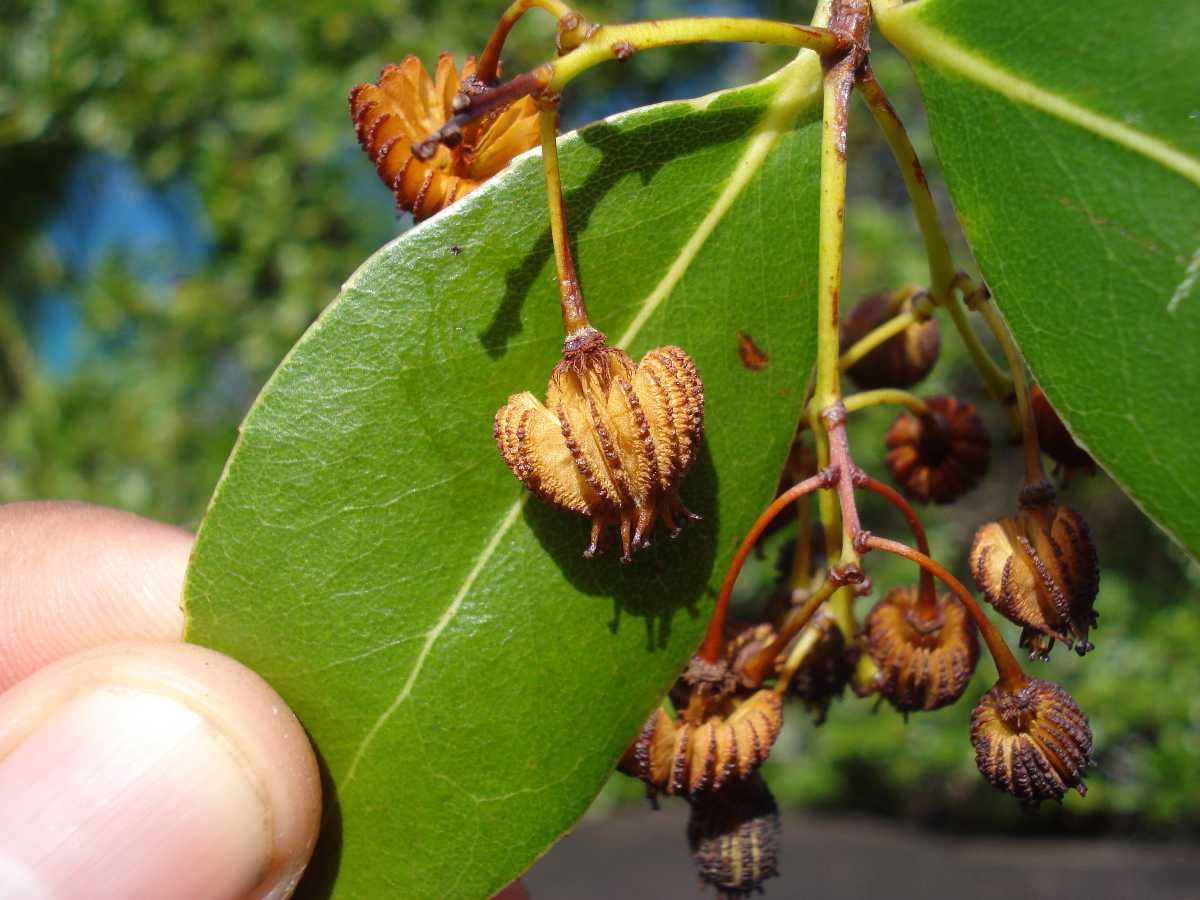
467,677
1069,133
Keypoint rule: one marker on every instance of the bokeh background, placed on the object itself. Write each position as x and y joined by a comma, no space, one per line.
183,194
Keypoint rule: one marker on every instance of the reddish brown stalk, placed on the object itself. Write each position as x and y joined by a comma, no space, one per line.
1006,664
841,462
489,60
926,596
714,640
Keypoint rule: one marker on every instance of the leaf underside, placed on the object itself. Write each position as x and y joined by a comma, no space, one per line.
1076,175
467,678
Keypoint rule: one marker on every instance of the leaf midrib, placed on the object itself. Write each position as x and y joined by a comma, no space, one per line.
921,42
798,85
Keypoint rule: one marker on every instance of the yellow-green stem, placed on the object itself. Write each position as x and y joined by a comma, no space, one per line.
1034,473
797,619
831,240
574,313
874,338
883,333
618,42
827,501
867,399
841,607
759,666
609,42
903,294
941,266
839,81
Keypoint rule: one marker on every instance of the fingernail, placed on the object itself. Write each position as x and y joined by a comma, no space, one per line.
125,793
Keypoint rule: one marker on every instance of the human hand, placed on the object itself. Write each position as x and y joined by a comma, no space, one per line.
131,764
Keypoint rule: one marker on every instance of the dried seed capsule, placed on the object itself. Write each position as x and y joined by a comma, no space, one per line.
1055,440
405,106
705,750
900,361
1033,743
827,666
1039,569
941,455
925,659
612,441
734,837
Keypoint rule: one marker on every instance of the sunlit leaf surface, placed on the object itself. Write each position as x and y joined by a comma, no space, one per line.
467,677
1069,133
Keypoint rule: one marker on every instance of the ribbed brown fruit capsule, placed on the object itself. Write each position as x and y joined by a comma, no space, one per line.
405,106
826,668
925,658
941,455
691,757
734,837
1033,743
900,361
1039,569
612,441
1056,441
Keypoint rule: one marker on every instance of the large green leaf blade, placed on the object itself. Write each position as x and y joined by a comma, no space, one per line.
468,679
1069,134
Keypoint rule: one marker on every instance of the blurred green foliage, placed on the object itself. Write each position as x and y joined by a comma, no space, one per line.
247,105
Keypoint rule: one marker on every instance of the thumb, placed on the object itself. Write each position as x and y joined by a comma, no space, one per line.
152,770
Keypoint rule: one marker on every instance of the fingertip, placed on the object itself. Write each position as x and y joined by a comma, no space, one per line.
75,576
173,771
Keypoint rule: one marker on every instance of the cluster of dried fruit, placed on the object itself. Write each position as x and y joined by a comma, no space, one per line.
613,439
917,649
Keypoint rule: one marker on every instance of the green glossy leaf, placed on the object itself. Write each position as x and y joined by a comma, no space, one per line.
1069,133
468,679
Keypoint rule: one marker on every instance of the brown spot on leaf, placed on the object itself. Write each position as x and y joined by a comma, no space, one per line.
752,355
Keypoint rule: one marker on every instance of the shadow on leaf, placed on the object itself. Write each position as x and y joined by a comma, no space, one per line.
668,576
624,151
326,861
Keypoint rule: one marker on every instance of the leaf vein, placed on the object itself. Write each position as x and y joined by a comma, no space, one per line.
920,42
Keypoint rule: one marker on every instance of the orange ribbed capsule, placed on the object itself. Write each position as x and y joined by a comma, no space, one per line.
613,439
405,106
925,657
1033,743
1039,568
707,748
940,455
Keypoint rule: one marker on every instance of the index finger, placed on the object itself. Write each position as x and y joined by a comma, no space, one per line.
75,576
